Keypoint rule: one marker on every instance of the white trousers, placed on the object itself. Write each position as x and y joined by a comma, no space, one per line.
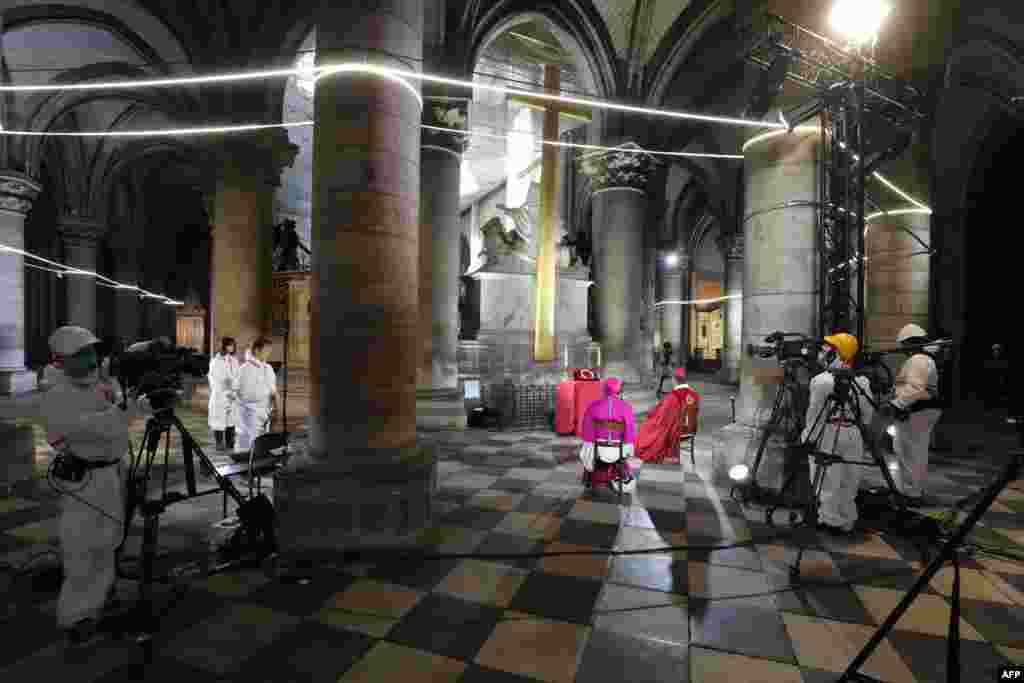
88,540
252,419
911,442
838,506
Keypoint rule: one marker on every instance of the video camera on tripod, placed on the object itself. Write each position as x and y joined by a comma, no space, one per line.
158,371
788,347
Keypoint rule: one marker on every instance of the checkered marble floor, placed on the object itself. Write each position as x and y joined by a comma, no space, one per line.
698,614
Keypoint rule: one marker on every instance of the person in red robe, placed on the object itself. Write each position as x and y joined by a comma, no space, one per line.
674,416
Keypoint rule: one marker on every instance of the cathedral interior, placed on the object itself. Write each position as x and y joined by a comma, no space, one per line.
437,210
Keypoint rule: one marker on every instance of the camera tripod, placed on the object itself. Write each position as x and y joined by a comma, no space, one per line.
786,420
842,407
254,539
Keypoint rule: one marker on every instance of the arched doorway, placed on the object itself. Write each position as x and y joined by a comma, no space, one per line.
992,253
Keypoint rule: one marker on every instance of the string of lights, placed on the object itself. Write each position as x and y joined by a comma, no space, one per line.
62,270
698,302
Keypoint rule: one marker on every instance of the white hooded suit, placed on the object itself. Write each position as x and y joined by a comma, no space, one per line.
257,383
223,378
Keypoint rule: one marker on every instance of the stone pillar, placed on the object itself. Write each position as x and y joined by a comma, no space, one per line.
363,479
241,238
126,302
779,283
732,247
686,311
898,271
672,314
17,192
81,239
439,403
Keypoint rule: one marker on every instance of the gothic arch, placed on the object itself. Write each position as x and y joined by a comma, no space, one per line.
576,23
681,42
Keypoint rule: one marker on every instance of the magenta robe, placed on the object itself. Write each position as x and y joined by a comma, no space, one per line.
608,419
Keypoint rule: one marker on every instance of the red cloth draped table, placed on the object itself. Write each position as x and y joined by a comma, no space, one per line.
572,398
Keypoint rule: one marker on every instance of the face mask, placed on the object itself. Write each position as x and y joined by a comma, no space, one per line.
83,367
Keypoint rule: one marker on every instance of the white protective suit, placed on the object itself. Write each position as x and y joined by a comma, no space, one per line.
917,382
96,431
223,378
257,383
52,376
838,507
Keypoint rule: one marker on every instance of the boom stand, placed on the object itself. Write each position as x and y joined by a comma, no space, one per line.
948,552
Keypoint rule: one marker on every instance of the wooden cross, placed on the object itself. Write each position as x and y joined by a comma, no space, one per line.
546,294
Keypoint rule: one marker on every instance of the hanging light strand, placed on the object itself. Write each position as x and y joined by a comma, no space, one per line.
65,270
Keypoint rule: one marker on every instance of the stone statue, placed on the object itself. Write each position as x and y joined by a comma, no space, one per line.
576,250
500,242
286,247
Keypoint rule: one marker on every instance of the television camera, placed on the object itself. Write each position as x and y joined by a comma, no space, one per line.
788,346
158,372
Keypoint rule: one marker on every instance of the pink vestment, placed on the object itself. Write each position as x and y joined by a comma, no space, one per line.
609,419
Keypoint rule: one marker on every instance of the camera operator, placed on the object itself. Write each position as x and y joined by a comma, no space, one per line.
917,408
90,436
257,394
837,512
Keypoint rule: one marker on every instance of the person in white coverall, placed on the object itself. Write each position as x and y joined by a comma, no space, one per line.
917,408
79,418
257,394
223,408
837,511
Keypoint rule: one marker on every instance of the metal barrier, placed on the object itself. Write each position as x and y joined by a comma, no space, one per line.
521,406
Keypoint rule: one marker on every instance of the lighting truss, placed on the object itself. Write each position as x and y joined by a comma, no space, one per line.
859,106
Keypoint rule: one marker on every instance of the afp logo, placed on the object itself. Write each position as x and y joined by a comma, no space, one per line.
1014,673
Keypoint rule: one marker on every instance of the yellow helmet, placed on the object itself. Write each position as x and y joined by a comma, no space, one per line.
845,344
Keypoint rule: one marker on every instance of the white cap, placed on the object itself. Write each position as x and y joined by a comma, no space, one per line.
69,340
910,332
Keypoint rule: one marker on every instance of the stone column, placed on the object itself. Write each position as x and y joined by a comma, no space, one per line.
620,254
685,312
779,283
242,241
363,479
672,314
439,404
732,247
17,192
81,239
898,271
126,302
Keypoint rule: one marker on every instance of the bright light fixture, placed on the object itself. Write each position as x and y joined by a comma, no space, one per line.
891,431
739,473
200,130
859,20
672,259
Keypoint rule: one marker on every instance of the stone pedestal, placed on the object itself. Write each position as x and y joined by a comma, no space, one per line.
364,481
732,309
439,405
779,282
619,220
17,192
241,234
81,238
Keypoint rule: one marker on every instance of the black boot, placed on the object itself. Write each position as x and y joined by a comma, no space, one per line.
218,437
229,439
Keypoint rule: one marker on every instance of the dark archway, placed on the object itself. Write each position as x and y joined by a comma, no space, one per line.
993,244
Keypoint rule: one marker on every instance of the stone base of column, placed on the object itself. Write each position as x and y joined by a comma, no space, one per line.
18,464
15,382
625,371
736,444
324,506
440,410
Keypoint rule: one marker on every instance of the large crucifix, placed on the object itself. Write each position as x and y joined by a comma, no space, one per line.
546,293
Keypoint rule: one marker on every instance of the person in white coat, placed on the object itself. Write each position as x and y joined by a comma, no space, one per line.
85,427
840,435
917,408
257,394
223,407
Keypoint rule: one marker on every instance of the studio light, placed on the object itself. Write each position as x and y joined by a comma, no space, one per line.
672,259
859,20
739,473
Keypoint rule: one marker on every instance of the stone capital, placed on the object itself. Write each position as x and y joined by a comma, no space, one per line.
731,246
445,111
626,167
80,230
258,158
18,192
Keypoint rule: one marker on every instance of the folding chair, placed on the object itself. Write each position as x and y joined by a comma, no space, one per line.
690,411
611,454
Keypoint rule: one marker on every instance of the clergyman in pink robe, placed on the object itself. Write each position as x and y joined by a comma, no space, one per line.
608,419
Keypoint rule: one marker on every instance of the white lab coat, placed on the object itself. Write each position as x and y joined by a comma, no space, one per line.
97,431
257,383
837,505
223,378
917,380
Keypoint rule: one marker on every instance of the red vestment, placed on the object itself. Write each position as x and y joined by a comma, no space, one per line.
674,416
